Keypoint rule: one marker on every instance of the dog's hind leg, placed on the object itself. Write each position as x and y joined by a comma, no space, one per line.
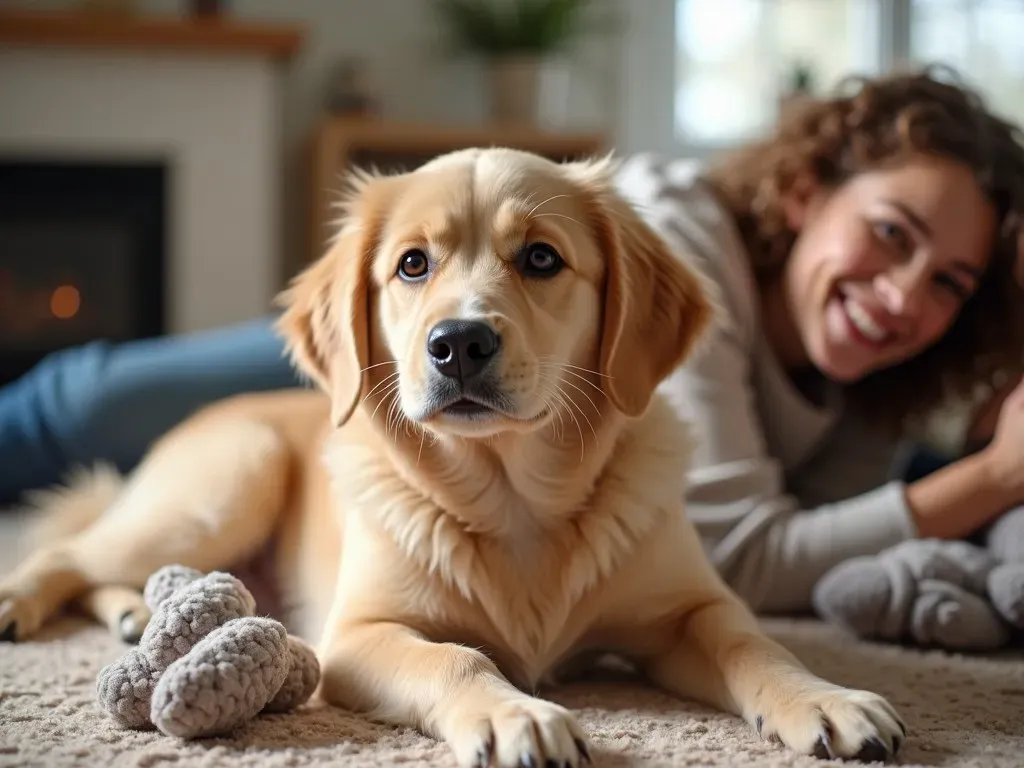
207,496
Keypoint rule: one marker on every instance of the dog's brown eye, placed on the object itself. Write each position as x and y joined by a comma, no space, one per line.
539,260
413,265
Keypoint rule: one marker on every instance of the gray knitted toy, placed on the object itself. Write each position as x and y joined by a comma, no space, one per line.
205,664
945,594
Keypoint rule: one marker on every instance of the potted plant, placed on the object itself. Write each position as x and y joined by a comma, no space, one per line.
521,43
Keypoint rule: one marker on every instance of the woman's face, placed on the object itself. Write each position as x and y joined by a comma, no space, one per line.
883,263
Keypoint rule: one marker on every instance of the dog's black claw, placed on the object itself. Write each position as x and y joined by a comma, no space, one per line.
582,747
822,750
128,628
10,633
897,742
873,750
483,755
759,724
903,728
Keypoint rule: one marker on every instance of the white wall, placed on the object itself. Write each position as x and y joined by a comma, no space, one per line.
414,77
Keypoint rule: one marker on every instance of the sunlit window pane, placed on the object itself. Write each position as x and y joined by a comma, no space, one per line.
983,39
736,58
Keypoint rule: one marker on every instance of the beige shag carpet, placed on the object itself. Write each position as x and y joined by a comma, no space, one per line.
962,711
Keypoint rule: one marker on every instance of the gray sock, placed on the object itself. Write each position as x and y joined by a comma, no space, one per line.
1005,537
930,592
1006,591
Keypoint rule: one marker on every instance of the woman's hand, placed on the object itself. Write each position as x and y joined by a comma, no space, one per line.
957,500
1005,454
986,417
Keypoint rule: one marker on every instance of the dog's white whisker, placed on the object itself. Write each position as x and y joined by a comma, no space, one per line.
545,374
394,415
419,453
557,215
384,396
572,415
587,370
383,381
389,385
556,403
549,393
592,403
580,409
543,202
584,379
378,365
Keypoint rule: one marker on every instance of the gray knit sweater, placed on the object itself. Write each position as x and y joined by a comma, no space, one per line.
780,490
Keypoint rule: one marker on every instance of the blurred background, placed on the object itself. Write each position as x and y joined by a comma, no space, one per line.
167,165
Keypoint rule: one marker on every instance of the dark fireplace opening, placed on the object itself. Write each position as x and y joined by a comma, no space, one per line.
82,255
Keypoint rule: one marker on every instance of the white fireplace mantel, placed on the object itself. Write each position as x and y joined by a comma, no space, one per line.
213,116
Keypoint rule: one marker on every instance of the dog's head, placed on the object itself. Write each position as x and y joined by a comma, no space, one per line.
492,290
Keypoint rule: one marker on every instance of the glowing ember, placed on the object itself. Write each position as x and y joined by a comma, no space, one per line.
65,301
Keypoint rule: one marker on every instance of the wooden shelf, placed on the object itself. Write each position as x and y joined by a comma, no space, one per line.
93,30
340,143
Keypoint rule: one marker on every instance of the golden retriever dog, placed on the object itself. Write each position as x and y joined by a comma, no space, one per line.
491,487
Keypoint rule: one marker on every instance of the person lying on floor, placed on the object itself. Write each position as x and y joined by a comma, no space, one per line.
865,258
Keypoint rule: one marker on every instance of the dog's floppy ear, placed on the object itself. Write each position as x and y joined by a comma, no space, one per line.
325,323
655,306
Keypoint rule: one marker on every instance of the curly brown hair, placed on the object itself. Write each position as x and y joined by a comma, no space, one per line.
868,123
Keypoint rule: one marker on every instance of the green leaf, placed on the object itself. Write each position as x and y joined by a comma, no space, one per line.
495,27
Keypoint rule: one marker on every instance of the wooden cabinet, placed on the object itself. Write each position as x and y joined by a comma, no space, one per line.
342,143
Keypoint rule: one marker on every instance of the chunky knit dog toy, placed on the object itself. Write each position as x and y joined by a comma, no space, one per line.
205,664
946,594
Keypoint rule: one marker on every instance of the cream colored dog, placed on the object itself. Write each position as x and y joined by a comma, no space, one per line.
491,488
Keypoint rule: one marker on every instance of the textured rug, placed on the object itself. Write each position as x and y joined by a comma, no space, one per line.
962,711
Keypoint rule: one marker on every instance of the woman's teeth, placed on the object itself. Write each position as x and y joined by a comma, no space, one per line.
862,321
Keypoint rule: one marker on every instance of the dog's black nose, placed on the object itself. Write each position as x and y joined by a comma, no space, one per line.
461,349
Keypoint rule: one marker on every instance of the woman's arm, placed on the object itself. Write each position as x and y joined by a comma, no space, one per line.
767,547
771,550
957,500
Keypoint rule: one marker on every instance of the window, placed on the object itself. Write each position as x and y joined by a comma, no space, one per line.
737,60
982,39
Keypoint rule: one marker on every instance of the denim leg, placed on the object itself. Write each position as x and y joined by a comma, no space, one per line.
104,401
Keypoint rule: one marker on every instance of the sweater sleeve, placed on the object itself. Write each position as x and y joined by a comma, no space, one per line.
768,547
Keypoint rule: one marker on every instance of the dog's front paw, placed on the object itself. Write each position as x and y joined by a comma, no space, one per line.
523,732
20,616
834,722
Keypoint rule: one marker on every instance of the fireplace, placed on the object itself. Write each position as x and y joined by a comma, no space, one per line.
82,255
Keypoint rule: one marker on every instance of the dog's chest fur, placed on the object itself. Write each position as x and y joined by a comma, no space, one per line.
510,573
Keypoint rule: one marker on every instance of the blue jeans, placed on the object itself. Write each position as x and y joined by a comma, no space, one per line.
109,402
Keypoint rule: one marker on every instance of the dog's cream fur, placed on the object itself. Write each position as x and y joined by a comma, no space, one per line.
447,565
